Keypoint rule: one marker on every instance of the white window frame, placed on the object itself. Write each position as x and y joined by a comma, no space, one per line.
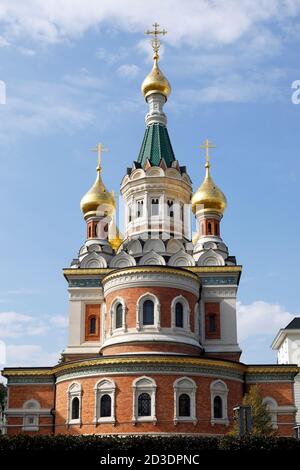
144,385
272,407
220,389
104,387
113,316
185,385
31,412
186,314
158,197
74,390
139,313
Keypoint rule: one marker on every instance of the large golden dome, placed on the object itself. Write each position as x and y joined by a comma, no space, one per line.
156,82
209,195
98,201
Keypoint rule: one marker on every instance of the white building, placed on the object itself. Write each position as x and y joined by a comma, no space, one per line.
287,344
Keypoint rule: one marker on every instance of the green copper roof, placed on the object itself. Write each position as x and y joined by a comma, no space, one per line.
155,146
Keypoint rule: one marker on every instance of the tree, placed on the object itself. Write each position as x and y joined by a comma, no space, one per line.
261,418
3,393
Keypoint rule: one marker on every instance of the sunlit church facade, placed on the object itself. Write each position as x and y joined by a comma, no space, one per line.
153,345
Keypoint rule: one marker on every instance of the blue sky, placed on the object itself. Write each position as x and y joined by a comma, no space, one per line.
73,72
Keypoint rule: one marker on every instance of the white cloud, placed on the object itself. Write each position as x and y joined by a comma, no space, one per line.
59,321
27,52
261,318
83,80
24,355
13,324
128,70
193,22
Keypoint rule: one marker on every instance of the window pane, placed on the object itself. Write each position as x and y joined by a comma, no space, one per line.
119,316
75,408
154,207
92,325
218,408
212,323
148,313
179,315
144,405
105,406
184,405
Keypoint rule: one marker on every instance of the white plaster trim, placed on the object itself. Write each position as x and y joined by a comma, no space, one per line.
185,385
144,385
153,337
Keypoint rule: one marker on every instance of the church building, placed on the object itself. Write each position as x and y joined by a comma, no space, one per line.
152,346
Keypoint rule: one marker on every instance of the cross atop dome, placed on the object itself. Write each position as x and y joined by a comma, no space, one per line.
207,145
99,149
155,42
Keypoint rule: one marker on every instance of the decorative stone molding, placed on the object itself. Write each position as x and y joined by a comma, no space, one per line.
74,391
140,386
113,328
218,388
185,386
104,387
152,276
182,259
122,260
153,259
139,313
186,313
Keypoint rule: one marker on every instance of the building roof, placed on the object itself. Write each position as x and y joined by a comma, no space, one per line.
294,324
156,146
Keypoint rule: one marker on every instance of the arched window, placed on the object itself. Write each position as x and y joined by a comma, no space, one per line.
271,406
119,316
105,406
219,394
144,390
179,315
92,329
31,416
105,401
74,403
185,400
217,228
170,205
209,228
75,408
218,407
148,312
184,405
90,231
144,404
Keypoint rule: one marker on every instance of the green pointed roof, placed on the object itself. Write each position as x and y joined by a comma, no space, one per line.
155,146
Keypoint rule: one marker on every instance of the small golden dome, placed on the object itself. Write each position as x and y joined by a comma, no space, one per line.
97,201
209,195
114,236
156,82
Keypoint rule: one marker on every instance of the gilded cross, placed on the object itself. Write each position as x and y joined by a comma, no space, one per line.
99,149
155,32
207,145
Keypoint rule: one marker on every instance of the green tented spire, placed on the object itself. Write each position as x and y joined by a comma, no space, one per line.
156,145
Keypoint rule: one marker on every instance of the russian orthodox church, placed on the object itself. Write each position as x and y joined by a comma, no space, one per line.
153,344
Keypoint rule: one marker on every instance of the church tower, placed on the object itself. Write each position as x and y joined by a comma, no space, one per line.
155,290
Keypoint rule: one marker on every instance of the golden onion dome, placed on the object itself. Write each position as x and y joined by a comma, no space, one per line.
209,196
97,201
156,82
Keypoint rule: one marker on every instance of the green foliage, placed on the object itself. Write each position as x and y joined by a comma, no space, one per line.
93,447
262,424
3,394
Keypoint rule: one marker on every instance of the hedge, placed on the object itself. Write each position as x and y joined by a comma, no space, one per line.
96,446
